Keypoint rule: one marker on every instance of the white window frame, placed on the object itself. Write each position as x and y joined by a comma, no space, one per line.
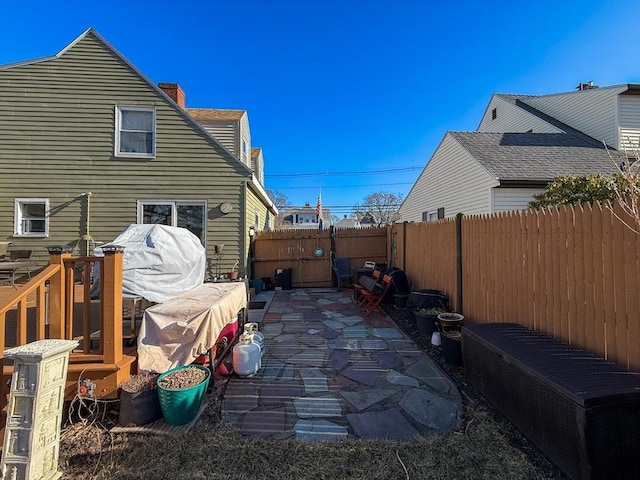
19,217
432,216
118,117
174,212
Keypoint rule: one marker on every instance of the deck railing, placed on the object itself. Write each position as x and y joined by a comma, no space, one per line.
55,304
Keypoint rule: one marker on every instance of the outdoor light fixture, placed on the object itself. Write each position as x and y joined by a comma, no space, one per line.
252,232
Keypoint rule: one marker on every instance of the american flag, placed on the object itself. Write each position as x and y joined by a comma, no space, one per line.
319,211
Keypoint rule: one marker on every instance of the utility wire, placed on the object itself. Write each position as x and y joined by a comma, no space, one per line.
360,172
340,186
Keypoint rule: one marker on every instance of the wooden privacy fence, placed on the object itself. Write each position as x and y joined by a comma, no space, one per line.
572,273
299,250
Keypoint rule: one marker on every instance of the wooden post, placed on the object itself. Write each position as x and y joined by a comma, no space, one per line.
459,262
57,296
112,307
404,245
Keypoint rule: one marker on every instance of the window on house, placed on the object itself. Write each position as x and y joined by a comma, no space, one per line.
256,219
494,114
244,146
189,215
31,217
135,131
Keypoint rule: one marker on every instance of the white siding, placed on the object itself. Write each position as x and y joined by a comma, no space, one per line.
245,134
593,112
509,199
452,179
629,108
512,119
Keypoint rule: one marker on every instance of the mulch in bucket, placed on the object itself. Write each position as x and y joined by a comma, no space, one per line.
180,405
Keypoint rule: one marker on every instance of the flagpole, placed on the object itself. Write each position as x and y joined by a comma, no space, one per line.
319,209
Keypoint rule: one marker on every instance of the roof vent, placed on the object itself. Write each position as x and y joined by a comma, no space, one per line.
586,86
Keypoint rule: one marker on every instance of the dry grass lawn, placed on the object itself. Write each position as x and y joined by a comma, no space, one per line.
482,450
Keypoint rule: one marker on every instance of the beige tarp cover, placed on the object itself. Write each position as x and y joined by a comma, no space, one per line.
175,332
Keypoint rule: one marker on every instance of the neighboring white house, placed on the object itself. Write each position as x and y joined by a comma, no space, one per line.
304,217
522,143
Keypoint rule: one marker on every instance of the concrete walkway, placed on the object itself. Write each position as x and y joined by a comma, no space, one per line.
329,373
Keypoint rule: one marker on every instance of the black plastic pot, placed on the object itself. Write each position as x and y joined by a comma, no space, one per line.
425,323
139,408
451,349
400,299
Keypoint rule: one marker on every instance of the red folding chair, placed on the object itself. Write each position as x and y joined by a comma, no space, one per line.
371,301
359,290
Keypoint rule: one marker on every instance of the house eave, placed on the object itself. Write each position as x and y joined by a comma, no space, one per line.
523,183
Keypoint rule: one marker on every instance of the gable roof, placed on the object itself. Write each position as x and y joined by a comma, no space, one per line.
255,152
93,32
536,156
215,114
518,101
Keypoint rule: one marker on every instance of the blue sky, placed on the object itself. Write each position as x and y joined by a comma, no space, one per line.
341,87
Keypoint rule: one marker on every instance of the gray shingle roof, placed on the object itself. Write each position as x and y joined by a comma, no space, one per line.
536,156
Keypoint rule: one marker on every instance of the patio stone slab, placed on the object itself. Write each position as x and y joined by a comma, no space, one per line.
364,371
272,329
398,378
279,393
313,357
363,399
384,425
324,301
319,430
291,317
240,397
285,337
265,423
333,324
314,380
294,327
388,359
329,334
311,340
338,359
387,333
314,407
344,344
431,410
271,369
374,344
352,320
286,375
341,383
428,372
357,331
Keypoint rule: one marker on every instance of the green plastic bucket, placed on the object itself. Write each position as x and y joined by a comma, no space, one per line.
181,406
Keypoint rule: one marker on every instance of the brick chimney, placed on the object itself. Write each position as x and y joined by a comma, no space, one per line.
174,92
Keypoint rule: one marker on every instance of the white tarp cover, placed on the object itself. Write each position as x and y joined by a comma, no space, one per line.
159,262
174,333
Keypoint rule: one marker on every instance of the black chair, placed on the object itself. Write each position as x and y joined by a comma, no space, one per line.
341,271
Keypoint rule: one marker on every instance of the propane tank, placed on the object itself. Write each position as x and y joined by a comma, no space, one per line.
246,357
258,338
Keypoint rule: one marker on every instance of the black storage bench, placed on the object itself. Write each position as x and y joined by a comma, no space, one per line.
582,411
